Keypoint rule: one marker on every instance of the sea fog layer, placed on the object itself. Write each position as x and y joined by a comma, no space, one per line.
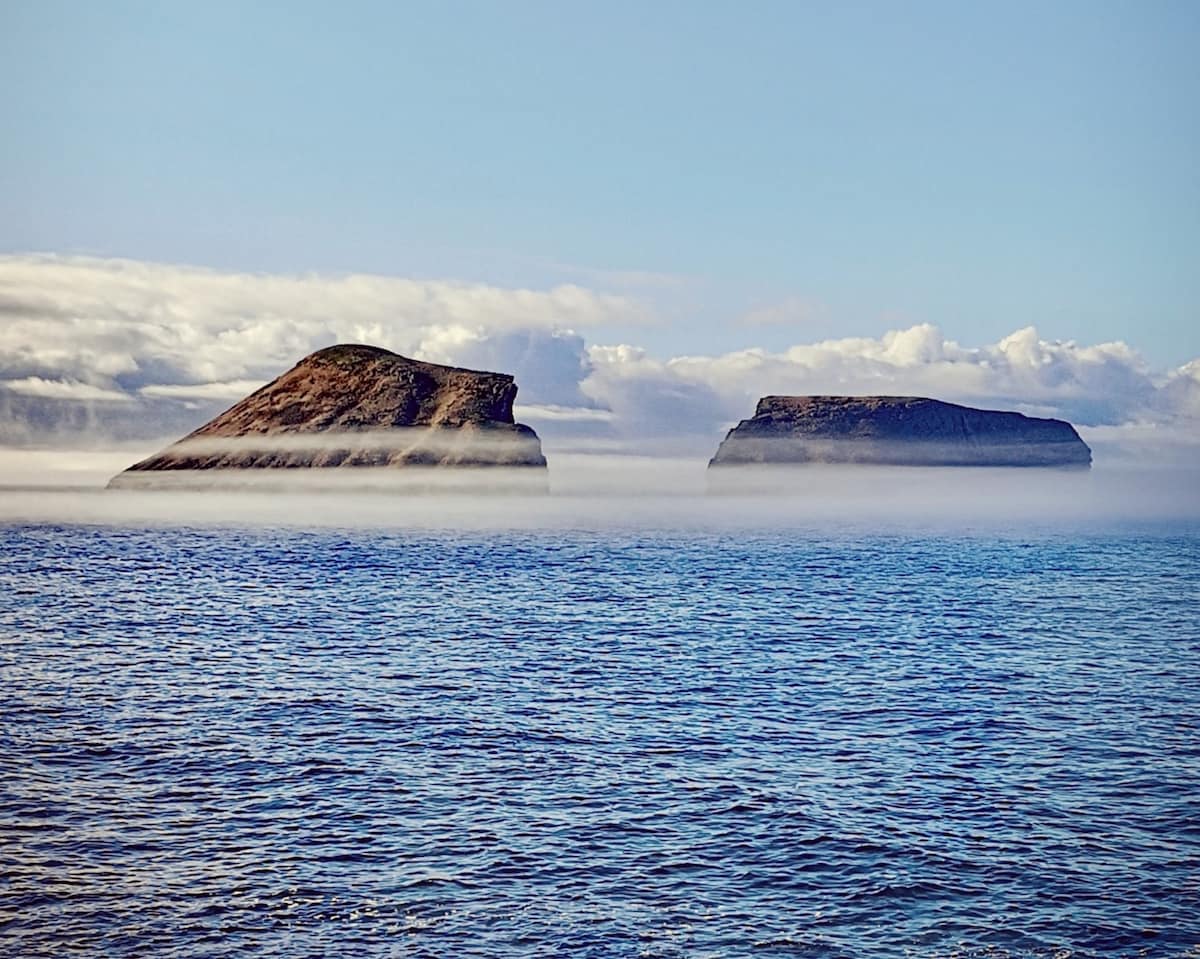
582,491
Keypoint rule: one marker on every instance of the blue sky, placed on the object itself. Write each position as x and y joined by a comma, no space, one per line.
842,168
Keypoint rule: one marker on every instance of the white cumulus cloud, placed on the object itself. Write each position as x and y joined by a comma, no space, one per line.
129,324
176,344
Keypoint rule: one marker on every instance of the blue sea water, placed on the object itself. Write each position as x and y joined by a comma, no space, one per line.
291,741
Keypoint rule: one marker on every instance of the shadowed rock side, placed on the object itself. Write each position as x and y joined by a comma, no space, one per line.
362,406
897,431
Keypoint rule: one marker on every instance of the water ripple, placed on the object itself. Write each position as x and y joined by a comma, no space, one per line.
323,742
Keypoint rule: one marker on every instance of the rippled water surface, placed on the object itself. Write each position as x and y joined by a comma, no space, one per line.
626,743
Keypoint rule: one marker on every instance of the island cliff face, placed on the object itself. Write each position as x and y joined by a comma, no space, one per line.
898,431
353,406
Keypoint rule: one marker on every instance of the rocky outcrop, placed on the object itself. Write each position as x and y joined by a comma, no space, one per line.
897,430
356,406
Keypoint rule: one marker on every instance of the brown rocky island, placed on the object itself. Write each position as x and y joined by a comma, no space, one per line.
359,406
896,431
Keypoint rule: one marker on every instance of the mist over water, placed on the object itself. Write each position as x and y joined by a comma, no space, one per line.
598,492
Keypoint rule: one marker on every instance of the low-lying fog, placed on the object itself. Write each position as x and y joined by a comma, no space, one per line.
581,491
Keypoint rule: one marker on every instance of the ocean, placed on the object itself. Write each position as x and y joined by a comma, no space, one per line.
303,727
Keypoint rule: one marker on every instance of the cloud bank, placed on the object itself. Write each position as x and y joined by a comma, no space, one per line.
107,349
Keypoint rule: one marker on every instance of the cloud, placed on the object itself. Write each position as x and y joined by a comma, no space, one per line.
1103,385
128,324
1180,393
654,403
232,390
549,365
122,349
64,390
1107,383
571,414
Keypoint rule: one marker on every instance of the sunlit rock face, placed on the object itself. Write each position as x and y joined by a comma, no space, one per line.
361,406
897,431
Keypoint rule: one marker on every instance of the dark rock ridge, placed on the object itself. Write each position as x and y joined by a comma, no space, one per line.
898,431
353,406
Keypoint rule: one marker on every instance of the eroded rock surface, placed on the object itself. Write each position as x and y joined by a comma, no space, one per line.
352,405
897,430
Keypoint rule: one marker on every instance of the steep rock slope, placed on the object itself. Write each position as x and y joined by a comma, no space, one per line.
353,405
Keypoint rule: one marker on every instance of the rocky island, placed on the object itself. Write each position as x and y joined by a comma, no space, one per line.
896,431
359,406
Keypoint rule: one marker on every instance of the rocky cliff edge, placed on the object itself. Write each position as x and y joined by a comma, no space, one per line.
899,431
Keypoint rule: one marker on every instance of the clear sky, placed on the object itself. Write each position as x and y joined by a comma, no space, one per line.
840,168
